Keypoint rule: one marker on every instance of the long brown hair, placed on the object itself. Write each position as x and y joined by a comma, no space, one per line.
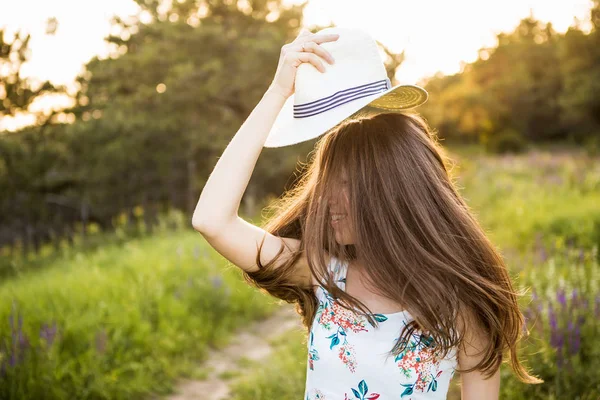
414,235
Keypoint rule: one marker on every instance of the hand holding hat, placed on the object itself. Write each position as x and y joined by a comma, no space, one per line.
319,100
305,48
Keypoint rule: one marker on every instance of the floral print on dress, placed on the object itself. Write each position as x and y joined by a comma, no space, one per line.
315,395
419,358
347,353
348,335
330,315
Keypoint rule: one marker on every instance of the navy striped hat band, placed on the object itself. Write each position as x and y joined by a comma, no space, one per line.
340,97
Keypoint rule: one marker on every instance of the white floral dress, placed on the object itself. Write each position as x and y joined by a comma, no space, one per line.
348,358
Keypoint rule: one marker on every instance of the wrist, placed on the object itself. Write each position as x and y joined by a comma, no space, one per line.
272,91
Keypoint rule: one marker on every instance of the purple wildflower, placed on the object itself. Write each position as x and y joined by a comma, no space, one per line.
535,301
13,359
20,341
560,296
552,317
557,340
575,339
217,281
556,337
48,333
23,341
543,253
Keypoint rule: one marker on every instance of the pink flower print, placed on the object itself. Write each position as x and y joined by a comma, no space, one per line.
346,353
407,363
337,315
326,318
421,383
419,357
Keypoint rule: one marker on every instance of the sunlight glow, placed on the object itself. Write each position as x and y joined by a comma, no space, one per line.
437,35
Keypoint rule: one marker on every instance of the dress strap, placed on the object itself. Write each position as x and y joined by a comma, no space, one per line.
338,270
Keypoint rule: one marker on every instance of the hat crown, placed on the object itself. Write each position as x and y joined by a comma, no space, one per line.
358,64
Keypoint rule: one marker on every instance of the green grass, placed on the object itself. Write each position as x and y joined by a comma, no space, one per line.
130,319
537,197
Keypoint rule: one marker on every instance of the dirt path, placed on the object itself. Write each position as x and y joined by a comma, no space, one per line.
252,343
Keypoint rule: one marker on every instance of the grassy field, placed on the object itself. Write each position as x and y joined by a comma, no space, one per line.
121,321
542,210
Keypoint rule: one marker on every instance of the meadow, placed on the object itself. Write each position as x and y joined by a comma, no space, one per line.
122,321
128,318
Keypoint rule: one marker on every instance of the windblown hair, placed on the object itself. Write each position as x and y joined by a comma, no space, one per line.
416,238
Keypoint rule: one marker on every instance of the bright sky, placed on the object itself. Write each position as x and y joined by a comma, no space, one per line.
437,35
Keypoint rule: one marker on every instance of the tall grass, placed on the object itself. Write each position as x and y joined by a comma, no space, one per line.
122,321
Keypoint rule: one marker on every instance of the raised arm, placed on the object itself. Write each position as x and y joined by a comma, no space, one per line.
216,214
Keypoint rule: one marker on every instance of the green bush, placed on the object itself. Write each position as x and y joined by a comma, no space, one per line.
592,145
16,264
506,141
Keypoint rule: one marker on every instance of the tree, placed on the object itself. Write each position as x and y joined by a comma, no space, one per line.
18,93
580,100
26,160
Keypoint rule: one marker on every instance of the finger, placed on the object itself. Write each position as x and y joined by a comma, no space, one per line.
313,59
305,32
318,39
315,48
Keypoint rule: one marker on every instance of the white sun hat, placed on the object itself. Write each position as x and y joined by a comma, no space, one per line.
322,100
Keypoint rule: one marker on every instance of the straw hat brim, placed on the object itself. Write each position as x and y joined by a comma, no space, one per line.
288,130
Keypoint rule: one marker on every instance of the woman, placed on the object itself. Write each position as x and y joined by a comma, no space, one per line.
395,280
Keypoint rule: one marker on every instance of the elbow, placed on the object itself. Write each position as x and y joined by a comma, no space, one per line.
206,226
200,225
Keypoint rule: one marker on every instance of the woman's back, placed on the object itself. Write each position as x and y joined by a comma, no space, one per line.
348,356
